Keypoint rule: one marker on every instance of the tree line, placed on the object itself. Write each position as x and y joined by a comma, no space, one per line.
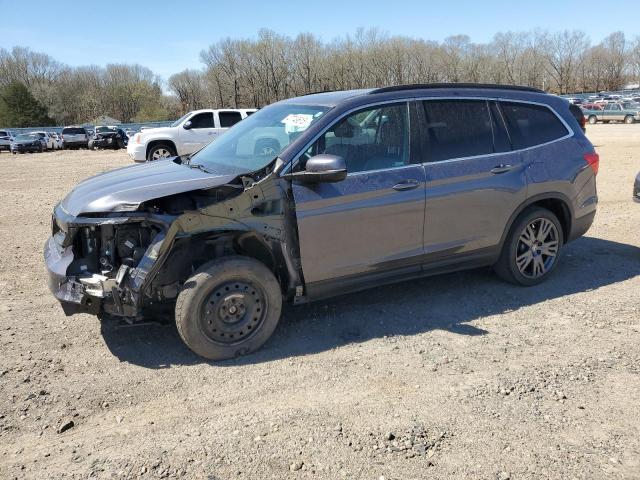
257,71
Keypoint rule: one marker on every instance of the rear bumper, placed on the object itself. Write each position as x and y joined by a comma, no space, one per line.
581,225
75,144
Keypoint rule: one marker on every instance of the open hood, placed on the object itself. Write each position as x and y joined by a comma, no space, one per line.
124,189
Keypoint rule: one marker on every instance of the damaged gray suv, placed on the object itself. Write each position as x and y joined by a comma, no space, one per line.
324,194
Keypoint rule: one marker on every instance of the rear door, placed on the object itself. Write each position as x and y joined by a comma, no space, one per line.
202,131
372,221
474,182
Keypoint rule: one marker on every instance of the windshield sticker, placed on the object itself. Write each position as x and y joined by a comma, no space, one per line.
296,122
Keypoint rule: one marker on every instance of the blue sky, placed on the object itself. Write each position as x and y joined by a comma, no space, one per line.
167,36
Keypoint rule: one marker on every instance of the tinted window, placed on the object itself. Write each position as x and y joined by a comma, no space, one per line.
229,119
501,141
457,128
531,125
370,139
3,133
74,131
202,120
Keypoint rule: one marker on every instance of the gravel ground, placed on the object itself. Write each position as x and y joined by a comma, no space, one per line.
456,376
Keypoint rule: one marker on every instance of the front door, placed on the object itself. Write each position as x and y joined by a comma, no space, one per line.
202,131
372,221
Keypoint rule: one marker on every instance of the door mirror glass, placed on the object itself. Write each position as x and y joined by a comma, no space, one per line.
187,125
322,168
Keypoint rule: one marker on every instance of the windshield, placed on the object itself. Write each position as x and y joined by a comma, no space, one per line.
25,136
105,130
179,121
255,141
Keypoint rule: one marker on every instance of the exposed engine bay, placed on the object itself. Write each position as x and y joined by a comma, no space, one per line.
127,263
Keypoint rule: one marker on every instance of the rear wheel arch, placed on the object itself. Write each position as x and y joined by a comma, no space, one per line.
555,202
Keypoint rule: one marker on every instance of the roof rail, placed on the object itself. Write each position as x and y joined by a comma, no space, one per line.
422,86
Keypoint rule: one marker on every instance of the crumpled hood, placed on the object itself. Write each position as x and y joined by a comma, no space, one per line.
125,188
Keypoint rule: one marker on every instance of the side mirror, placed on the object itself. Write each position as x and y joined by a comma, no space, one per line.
187,125
322,168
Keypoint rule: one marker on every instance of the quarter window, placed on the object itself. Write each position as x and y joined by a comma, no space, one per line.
229,119
531,125
457,129
370,139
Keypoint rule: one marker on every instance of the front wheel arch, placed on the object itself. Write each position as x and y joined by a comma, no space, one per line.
154,143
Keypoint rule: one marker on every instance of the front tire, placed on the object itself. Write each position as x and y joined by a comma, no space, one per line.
593,119
532,248
229,308
160,151
629,119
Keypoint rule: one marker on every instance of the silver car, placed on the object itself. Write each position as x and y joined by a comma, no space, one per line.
5,140
75,137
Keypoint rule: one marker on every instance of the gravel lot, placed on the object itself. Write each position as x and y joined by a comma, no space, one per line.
457,376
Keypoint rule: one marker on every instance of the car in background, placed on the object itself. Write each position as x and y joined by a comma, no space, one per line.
592,106
367,187
186,135
636,189
6,138
614,112
578,114
28,142
109,137
57,140
49,141
75,137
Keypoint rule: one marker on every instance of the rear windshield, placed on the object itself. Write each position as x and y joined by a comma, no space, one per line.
531,125
74,131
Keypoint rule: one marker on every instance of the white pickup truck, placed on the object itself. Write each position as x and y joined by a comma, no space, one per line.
186,135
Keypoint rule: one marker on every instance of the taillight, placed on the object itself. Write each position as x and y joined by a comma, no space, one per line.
593,159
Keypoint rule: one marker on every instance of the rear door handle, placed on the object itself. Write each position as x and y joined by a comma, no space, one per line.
502,168
406,185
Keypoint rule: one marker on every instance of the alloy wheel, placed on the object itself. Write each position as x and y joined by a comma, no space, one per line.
537,248
160,153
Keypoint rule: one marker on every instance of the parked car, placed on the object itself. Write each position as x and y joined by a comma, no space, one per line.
592,106
57,141
28,142
75,137
185,136
614,112
109,137
636,189
6,138
48,140
366,187
578,114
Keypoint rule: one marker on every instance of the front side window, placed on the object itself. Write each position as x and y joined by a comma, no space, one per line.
370,139
229,119
530,125
457,129
202,120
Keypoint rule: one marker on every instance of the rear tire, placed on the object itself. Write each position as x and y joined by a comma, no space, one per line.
160,151
229,308
532,248
629,119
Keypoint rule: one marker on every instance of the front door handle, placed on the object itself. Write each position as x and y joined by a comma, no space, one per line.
406,185
502,168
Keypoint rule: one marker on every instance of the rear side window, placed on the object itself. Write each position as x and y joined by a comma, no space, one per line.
74,131
229,119
3,133
531,125
457,129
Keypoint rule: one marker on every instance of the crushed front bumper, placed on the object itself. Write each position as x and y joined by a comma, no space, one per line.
71,292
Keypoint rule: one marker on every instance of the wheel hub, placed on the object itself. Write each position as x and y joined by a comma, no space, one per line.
232,312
